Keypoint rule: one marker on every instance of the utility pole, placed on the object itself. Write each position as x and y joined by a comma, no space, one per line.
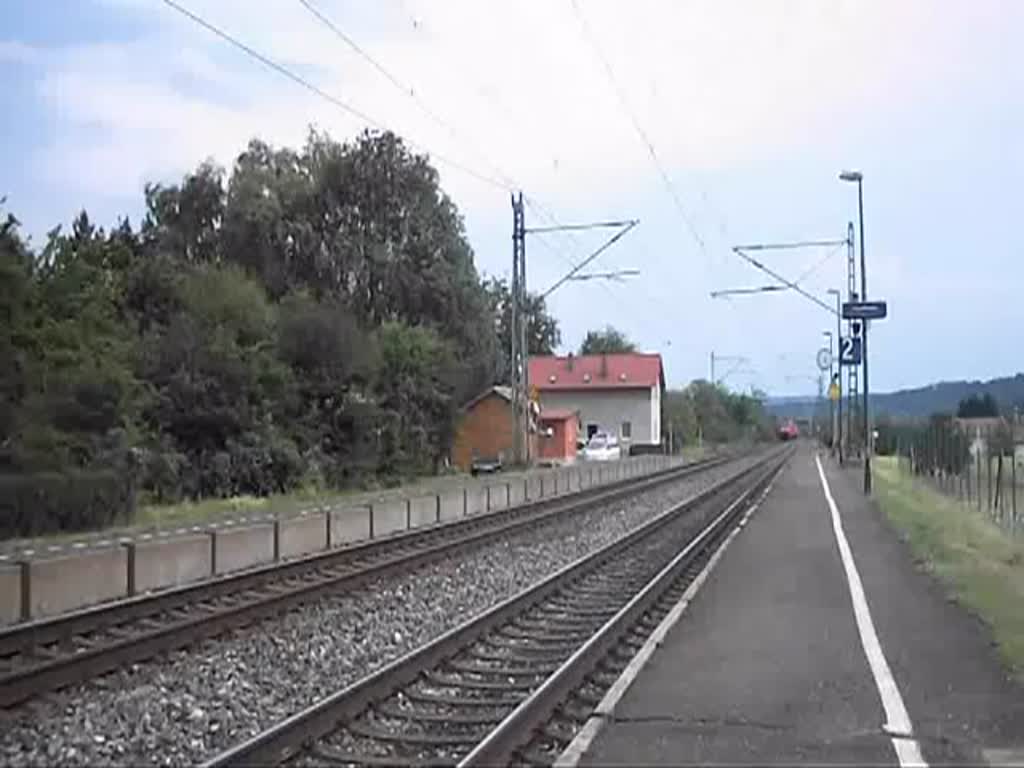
839,373
858,177
851,371
864,331
520,440
520,349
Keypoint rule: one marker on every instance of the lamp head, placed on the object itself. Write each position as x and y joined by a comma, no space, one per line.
851,176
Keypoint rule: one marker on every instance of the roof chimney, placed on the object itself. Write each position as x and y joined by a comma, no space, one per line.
604,366
569,361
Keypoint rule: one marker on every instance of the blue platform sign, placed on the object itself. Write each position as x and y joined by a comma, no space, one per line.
864,310
849,350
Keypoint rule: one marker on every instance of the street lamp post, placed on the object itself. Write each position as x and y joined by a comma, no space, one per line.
839,368
858,177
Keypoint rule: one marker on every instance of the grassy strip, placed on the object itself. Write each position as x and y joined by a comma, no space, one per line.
982,565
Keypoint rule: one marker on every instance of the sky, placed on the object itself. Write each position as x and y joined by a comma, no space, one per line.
714,123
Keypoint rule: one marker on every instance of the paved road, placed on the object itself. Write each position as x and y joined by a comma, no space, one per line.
768,664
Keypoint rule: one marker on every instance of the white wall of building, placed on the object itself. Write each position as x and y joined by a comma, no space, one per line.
656,412
610,409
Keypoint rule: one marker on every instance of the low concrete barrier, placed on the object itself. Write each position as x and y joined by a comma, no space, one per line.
476,499
452,505
534,491
554,483
349,524
237,548
65,583
301,535
10,593
390,516
52,585
168,562
516,492
497,496
423,510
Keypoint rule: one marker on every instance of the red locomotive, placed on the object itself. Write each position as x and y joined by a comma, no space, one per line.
789,431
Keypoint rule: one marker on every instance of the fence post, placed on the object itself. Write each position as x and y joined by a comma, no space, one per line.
977,466
967,468
1013,491
988,471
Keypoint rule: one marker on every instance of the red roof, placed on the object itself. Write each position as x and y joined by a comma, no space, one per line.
556,414
619,371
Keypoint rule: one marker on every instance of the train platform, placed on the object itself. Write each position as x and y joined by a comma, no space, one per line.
814,639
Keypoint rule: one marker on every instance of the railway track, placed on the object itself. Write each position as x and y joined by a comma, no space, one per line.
49,654
513,684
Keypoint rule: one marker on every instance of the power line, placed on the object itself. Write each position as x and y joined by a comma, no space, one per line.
409,91
404,88
298,79
818,265
535,205
637,127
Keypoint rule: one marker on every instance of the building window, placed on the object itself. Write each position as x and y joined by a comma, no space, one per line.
627,430
591,430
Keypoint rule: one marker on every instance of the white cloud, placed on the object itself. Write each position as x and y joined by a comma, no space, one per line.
17,52
724,89
715,84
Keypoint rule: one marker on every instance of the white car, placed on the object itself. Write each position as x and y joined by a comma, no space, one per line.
602,447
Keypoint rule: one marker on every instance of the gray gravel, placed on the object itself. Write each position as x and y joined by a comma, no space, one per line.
186,707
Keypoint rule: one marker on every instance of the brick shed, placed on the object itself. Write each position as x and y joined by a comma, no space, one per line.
560,448
485,428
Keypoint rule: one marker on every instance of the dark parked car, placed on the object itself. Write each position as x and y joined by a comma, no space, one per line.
485,465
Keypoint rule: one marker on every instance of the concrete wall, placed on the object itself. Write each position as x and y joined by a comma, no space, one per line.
169,562
349,524
389,516
302,535
533,488
10,593
452,505
497,496
516,492
71,581
237,548
65,583
476,499
609,410
422,511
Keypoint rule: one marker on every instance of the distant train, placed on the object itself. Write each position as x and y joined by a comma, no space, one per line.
789,431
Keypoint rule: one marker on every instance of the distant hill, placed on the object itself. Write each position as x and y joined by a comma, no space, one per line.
920,402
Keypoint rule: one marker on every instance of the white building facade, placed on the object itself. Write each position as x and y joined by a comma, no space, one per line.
620,394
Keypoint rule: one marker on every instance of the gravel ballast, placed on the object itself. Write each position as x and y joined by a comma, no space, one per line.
186,707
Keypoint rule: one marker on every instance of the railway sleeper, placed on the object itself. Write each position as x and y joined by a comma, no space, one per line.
441,739
478,685
388,710
336,756
533,670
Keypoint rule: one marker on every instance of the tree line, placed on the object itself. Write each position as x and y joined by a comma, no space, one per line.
312,317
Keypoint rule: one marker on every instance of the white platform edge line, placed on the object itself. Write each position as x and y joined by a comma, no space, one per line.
572,754
897,725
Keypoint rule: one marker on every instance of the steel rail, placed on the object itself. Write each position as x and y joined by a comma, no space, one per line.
501,744
52,653
284,740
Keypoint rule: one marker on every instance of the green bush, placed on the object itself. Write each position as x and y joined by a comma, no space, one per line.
51,502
